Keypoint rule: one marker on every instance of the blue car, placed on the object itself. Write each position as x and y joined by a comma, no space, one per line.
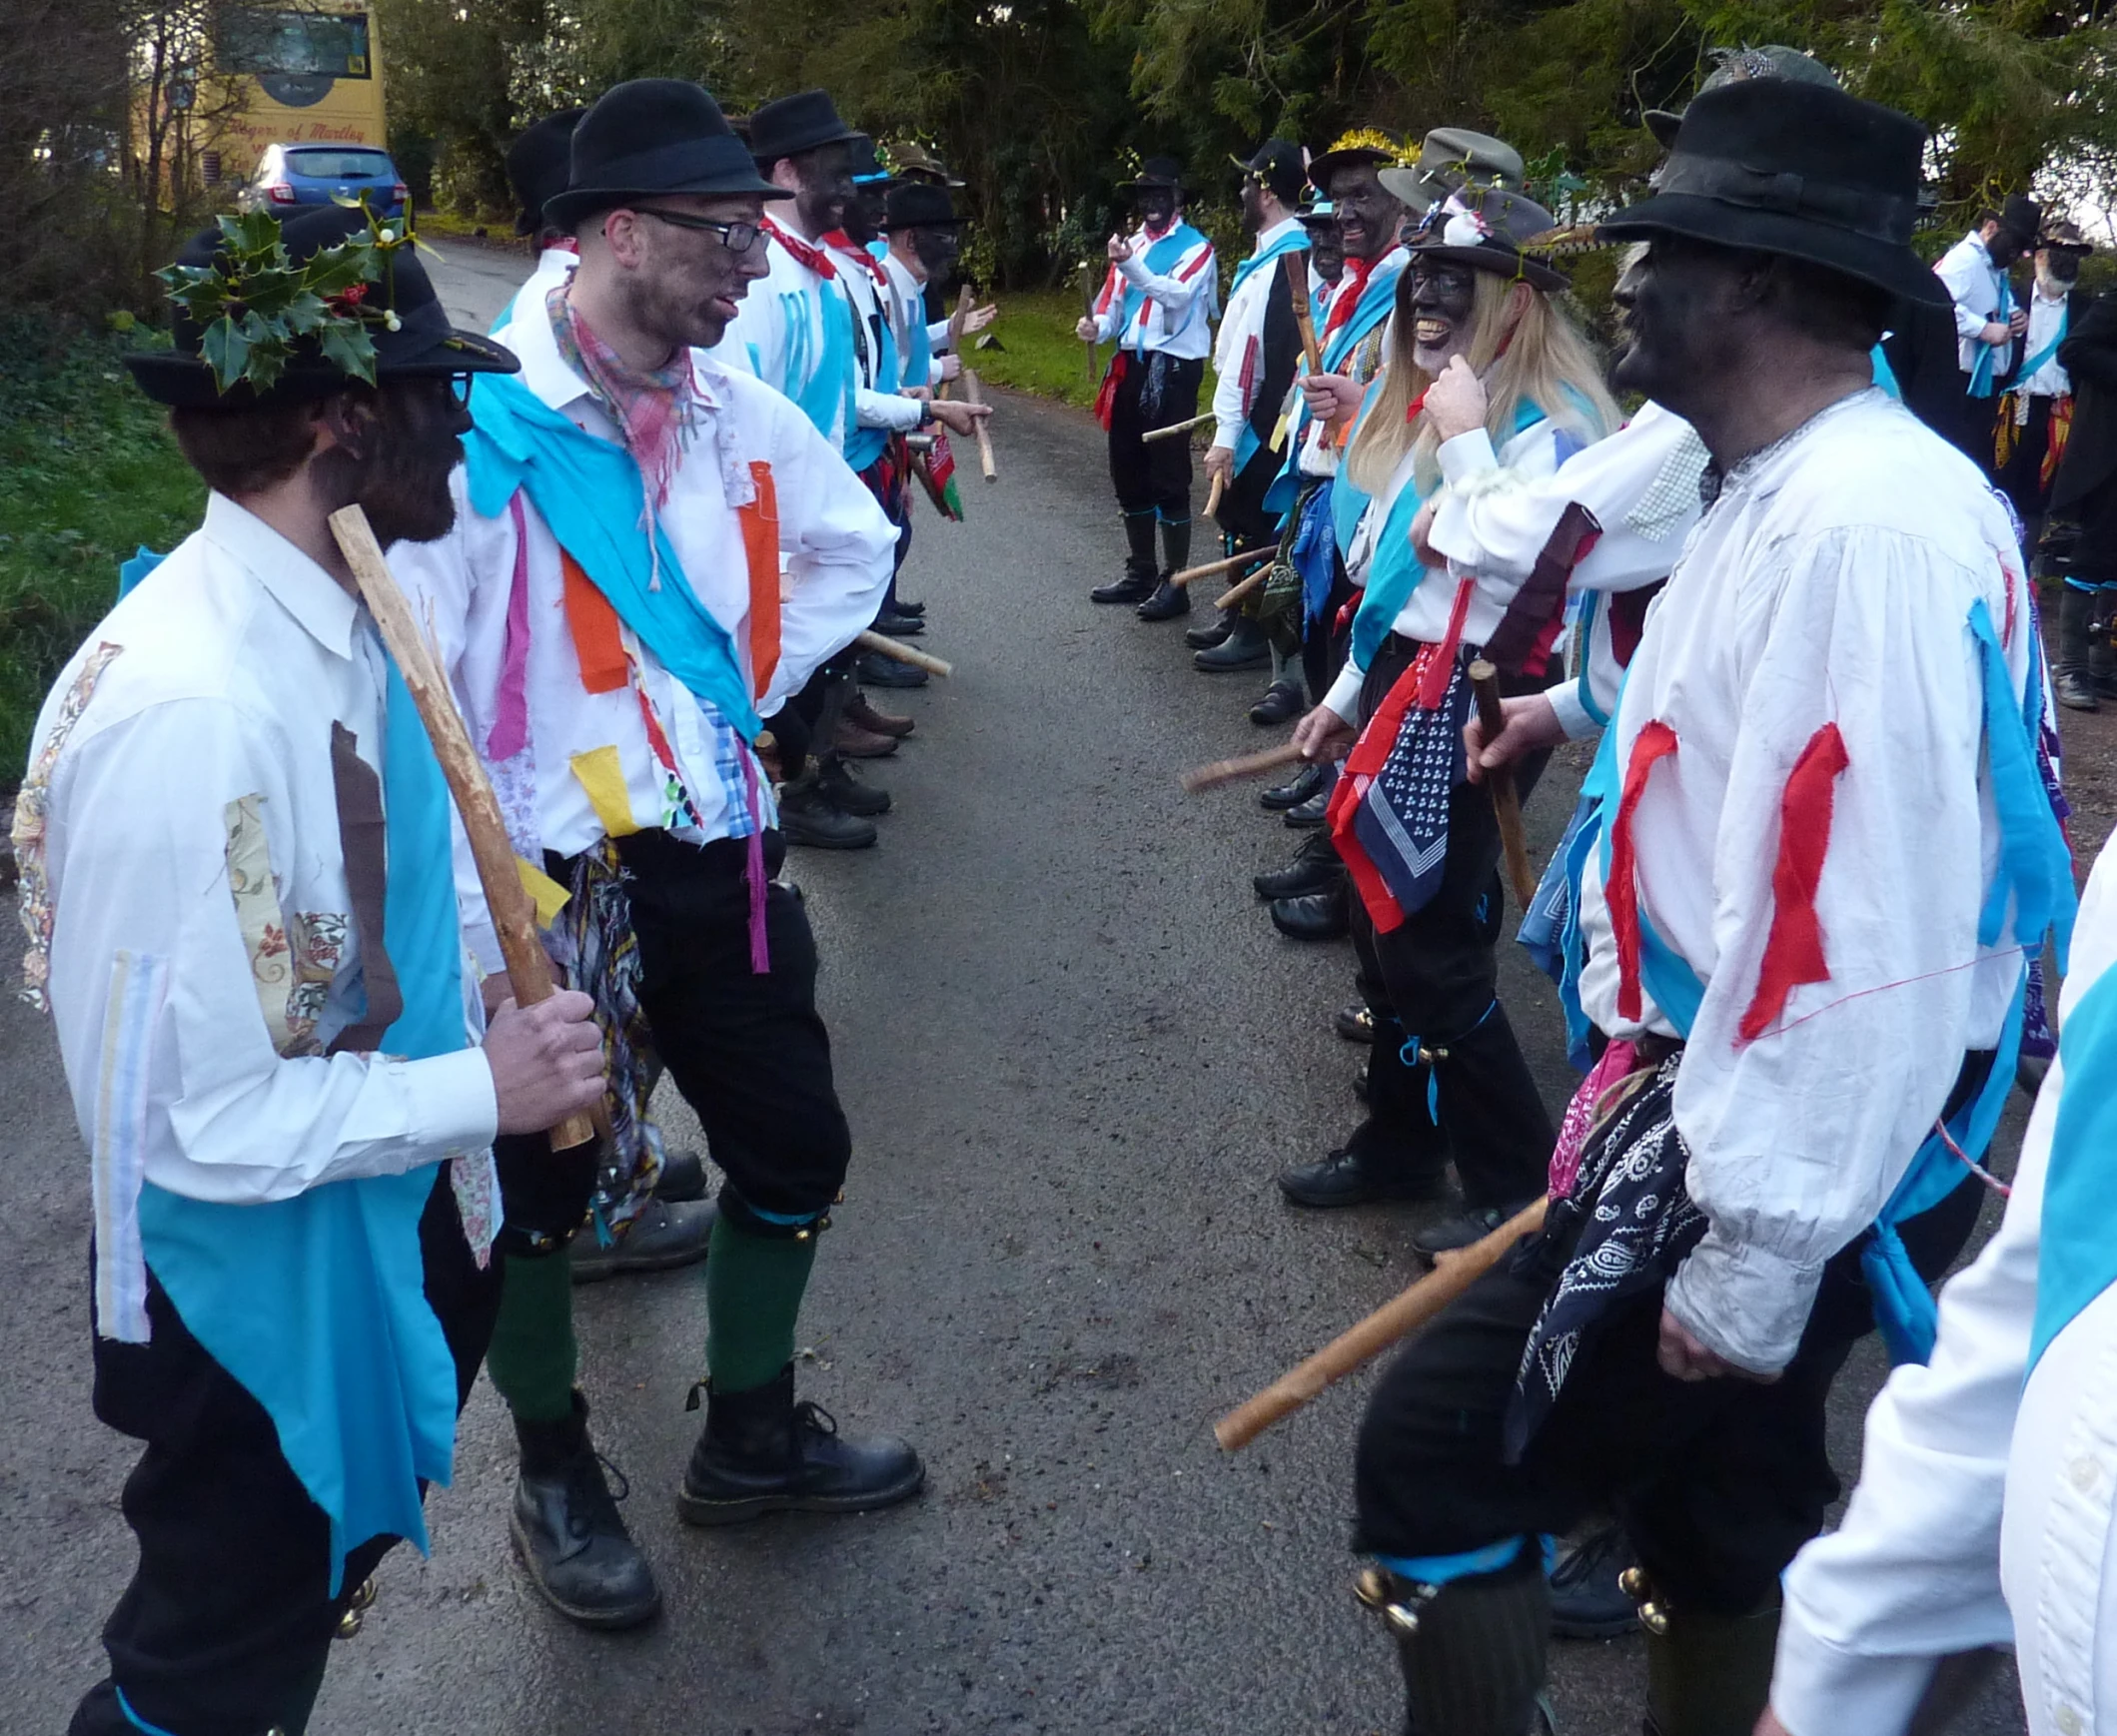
290,177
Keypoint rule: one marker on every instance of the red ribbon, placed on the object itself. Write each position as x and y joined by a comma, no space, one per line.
1793,954
1621,893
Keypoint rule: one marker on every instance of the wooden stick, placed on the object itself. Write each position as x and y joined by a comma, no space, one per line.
1295,267
514,914
1507,798
1213,495
1222,566
955,336
1088,283
1236,593
974,394
883,645
1413,1307
1175,428
1222,771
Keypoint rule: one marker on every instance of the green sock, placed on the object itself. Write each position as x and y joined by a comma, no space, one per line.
533,1357
753,1287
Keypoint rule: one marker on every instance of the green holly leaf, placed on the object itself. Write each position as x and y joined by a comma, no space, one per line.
346,344
251,233
269,291
226,349
337,268
304,314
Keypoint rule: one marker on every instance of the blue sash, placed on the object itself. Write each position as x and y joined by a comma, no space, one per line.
822,383
863,445
590,493
2077,1261
2033,362
1247,443
1987,361
1162,259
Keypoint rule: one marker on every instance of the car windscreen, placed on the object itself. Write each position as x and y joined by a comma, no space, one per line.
339,165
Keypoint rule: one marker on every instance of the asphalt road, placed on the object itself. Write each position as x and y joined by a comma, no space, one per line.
1074,1053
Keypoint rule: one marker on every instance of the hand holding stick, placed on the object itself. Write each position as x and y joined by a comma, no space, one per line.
955,336
1507,799
1222,771
514,915
1413,1307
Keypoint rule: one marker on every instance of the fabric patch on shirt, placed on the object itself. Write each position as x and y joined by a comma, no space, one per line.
139,986
1673,496
546,893
31,808
357,791
602,775
264,929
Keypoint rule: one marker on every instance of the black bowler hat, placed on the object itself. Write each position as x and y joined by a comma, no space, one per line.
920,205
539,163
790,125
649,136
2021,215
1163,173
1487,229
1798,169
424,344
1282,168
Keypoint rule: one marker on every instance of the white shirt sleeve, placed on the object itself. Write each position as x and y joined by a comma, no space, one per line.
1239,331
1967,270
1175,293
1798,1137
140,844
887,410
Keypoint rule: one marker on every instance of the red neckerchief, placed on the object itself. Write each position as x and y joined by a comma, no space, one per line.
842,243
1346,297
806,253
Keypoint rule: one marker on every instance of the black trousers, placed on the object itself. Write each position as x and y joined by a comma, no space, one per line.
1719,1482
1435,978
1157,389
1244,522
749,1053
227,1626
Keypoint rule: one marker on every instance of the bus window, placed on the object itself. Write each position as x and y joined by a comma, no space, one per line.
294,44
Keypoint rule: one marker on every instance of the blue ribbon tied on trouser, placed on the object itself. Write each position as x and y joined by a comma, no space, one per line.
1312,553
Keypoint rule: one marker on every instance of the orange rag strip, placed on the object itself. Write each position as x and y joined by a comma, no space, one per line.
760,550
597,645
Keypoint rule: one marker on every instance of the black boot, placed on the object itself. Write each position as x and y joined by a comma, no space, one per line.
1473,1651
848,794
1207,635
1242,648
1282,703
1170,600
1320,916
1707,1675
567,1531
1587,1600
1138,577
760,1453
1296,790
1396,1153
2071,677
809,817
666,1235
1317,809
1315,868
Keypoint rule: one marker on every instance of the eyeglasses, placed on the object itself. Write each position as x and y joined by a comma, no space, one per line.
737,237
460,389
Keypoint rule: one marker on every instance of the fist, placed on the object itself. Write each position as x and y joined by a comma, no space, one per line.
1118,248
1455,403
1220,462
547,1060
1085,330
952,366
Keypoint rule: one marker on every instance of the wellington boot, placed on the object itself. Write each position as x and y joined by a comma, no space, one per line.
1708,1675
2072,678
1136,584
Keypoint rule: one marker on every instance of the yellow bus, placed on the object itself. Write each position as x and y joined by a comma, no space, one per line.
306,76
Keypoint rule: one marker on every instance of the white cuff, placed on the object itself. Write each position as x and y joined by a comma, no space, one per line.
449,1101
1574,717
1743,1302
1344,696
887,410
1228,433
1467,456
1818,1690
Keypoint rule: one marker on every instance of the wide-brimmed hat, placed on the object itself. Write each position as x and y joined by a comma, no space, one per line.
1165,174
2059,236
1453,157
1732,66
421,343
1487,229
1799,169
540,164
649,136
1367,145
911,161
1283,168
787,126
920,205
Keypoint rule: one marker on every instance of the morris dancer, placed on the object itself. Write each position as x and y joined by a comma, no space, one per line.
1157,307
233,842
611,605
1766,1156
1447,1078
539,163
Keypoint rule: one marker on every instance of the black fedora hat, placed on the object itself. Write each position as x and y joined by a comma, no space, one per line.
1487,229
649,136
1165,172
422,342
920,205
787,126
1282,168
2021,215
539,163
1798,169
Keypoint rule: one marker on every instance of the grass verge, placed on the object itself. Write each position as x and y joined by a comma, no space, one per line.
1037,350
88,472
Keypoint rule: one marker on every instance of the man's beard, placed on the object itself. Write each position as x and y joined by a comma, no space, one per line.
403,484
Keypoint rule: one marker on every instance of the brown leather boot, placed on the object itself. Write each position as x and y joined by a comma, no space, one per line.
862,711
853,743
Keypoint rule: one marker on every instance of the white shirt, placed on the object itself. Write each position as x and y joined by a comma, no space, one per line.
157,764
908,310
2046,316
1641,487
1240,341
780,332
1830,583
554,266
1175,312
1983,1511
874,409
836,550
1975,283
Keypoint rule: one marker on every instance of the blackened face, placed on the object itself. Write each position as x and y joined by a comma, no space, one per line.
687,287
1367,215
1443,299
409,451
826,186
2058,265
1326,252
863,213
1156,206
937,250
1673,305
1253,204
